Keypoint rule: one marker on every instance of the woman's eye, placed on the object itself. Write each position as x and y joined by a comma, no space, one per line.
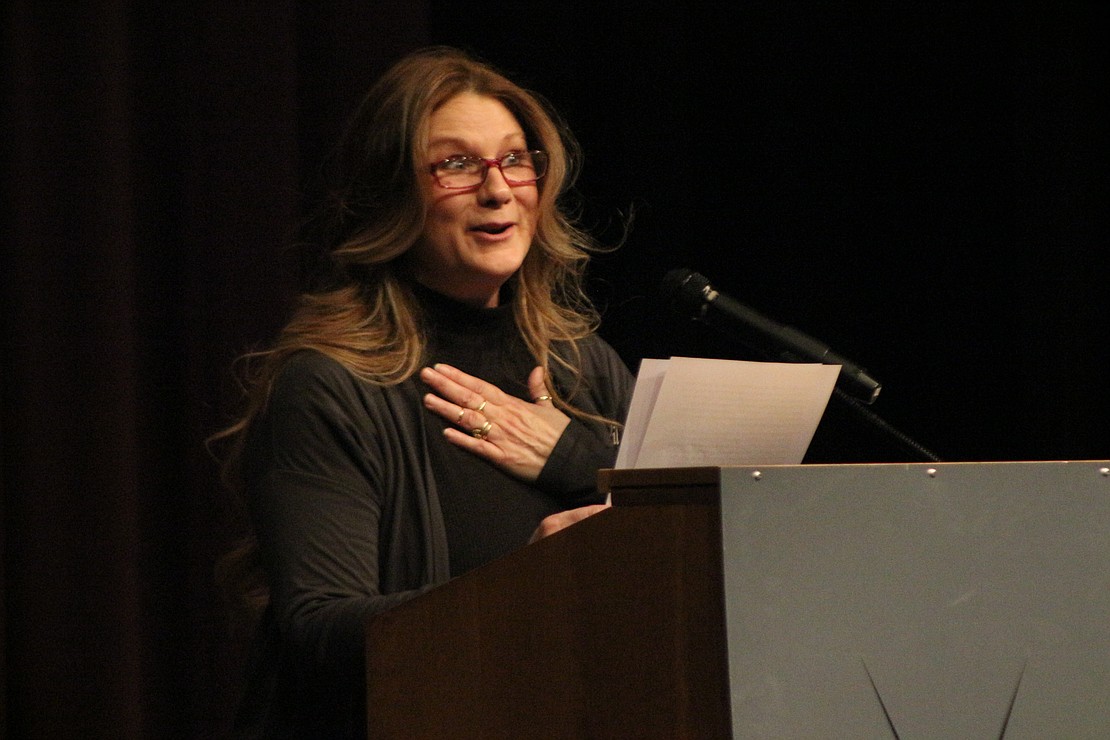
457,164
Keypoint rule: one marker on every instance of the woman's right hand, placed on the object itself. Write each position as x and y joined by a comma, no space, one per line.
516,435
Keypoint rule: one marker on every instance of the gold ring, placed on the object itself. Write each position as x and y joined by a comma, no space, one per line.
537,399
481,432
481,406
460,416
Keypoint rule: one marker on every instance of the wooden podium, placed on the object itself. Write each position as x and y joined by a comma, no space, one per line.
898,601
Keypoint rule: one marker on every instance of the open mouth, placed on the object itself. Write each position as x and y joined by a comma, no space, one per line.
492,228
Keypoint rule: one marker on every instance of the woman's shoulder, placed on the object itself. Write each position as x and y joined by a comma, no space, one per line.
603,378
599,354
308,369
307,364
313,377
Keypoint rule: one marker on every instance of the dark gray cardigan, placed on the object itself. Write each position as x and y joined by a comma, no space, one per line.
348,520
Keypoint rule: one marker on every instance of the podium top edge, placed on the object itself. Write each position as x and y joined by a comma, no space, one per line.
610,479
638,486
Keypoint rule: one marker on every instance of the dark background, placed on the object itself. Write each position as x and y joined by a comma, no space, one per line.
920,186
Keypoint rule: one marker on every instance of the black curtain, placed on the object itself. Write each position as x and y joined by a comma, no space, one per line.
157,157
919,186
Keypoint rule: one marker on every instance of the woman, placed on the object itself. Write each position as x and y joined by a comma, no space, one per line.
438,400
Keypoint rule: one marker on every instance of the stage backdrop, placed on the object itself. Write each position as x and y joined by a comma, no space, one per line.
916,186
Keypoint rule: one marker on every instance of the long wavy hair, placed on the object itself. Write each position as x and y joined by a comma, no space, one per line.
361,310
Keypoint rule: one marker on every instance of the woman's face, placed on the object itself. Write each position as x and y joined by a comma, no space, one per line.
474,239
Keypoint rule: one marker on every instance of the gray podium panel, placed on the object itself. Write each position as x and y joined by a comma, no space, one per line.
918,601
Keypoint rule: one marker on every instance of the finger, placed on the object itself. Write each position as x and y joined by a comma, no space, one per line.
552,524
458,394
537,386
467,383
453,412
476,439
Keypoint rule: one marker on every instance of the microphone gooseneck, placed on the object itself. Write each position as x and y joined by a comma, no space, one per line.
692,292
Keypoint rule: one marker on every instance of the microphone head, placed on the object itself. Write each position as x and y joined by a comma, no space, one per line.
686,289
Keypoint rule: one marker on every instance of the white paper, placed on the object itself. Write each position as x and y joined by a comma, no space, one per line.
689,412
648,381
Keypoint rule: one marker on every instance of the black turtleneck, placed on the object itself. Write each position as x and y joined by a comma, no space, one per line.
487,513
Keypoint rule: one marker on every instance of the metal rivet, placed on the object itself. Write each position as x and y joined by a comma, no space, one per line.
756,475
931,472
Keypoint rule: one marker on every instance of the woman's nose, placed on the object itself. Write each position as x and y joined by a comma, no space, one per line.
495,188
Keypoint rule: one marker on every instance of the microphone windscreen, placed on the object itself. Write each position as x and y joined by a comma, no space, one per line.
685,288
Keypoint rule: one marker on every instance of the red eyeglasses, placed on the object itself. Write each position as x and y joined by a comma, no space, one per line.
518,168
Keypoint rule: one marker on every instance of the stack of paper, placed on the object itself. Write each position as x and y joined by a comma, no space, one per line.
689,412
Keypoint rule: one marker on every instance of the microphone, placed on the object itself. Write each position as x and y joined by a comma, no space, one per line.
692,292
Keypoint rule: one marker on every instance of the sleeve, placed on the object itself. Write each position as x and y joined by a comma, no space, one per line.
314,479
586,445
